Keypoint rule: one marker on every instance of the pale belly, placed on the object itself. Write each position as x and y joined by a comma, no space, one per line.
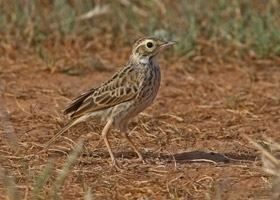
123,113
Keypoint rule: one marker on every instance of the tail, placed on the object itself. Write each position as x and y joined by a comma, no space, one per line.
65,128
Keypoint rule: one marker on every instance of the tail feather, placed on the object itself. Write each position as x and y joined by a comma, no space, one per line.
76,103
65,128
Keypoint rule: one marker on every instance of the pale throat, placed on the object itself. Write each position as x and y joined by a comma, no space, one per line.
143,59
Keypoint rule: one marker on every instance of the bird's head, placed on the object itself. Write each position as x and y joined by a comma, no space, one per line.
145,49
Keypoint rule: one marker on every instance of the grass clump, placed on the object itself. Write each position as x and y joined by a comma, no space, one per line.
44,178
271,164
244,25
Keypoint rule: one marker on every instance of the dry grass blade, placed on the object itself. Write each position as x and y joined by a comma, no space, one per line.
9,184
271,165
275,146
88,195
216,195
41,180
97,10
72,158
8,129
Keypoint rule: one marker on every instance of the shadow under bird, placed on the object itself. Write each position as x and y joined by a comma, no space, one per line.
126,94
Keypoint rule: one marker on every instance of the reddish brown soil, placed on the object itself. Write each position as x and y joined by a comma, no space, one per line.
192,136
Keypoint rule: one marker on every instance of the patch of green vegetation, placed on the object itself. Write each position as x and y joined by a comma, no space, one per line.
245,25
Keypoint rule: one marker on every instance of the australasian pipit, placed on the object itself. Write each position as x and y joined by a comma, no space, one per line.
125,95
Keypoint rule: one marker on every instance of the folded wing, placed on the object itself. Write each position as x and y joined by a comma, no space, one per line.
121,88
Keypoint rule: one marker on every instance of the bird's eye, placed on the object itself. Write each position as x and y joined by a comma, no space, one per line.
150,44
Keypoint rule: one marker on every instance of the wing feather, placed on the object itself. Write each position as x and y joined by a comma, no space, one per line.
123,87
102,101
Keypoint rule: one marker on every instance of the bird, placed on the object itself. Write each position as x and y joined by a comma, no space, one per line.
127,93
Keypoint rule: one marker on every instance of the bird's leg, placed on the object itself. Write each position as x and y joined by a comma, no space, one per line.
104,135
140,157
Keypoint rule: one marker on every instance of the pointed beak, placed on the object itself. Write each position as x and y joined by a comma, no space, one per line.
167,44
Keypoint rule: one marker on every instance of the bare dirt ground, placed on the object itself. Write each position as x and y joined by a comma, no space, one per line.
192,136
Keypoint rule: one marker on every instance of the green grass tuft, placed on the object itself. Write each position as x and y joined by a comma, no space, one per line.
245,25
